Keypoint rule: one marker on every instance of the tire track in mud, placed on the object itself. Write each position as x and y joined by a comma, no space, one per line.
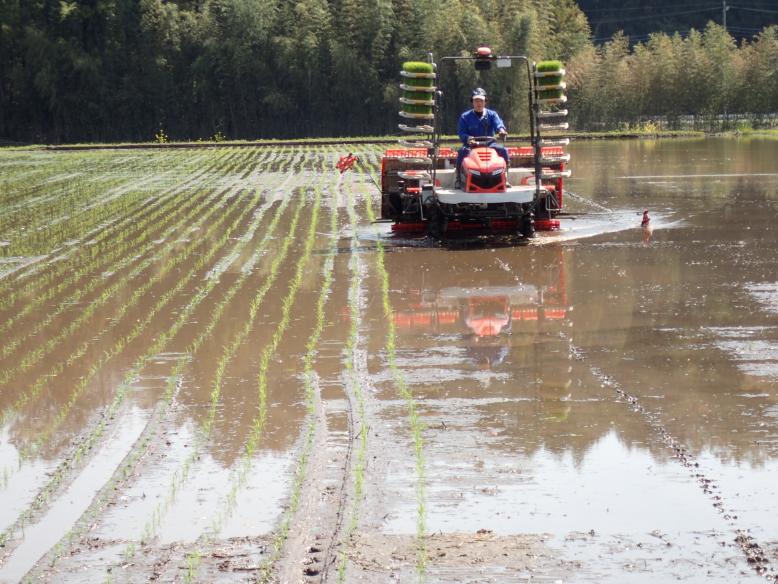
143,443
349,498
88,443
311,520
401,386
302,551
364,418
753,552
334,512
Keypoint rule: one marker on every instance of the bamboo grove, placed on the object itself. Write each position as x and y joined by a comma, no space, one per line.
128,70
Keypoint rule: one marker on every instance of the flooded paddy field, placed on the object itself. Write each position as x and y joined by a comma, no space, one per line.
214,367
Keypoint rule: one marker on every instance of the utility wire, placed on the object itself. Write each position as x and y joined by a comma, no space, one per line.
639,38
744,29
619,9
653,16
753,9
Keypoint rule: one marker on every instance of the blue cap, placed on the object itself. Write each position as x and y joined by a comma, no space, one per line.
478,92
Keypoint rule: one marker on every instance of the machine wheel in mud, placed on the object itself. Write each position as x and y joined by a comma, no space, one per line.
527,226
435,225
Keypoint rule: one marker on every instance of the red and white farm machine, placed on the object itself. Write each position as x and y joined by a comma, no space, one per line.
419,189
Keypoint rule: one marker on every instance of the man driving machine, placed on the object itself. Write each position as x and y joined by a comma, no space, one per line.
479,122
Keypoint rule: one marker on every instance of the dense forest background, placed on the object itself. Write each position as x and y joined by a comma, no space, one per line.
108,70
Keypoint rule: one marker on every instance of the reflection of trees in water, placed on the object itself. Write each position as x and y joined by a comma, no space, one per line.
651,326
601,168
636,316
41,418
239,404
702,398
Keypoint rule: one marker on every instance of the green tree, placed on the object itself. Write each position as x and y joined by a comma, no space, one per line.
759,75
718,69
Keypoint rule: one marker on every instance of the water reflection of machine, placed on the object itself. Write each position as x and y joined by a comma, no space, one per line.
490,301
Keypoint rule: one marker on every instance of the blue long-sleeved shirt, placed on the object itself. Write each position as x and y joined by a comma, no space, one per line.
471,124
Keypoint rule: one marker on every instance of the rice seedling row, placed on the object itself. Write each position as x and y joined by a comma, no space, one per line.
140,260
18,166
120,344
311,398
46,187
182,474
203,335
20,188
403,390
36,387
104,235
240,474
106,246
26,202
174,382
21,182
103,231
107,293
95,283
109,263
157,346
138,294
33,229
102,181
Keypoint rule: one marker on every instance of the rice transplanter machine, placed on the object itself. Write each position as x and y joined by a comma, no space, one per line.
420,191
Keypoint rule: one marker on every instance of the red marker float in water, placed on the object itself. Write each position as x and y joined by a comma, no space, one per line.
346,162
645,225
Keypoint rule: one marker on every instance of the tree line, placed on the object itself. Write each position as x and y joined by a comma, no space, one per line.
705,75
112,70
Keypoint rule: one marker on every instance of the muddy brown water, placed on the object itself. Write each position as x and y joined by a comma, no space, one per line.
597,406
